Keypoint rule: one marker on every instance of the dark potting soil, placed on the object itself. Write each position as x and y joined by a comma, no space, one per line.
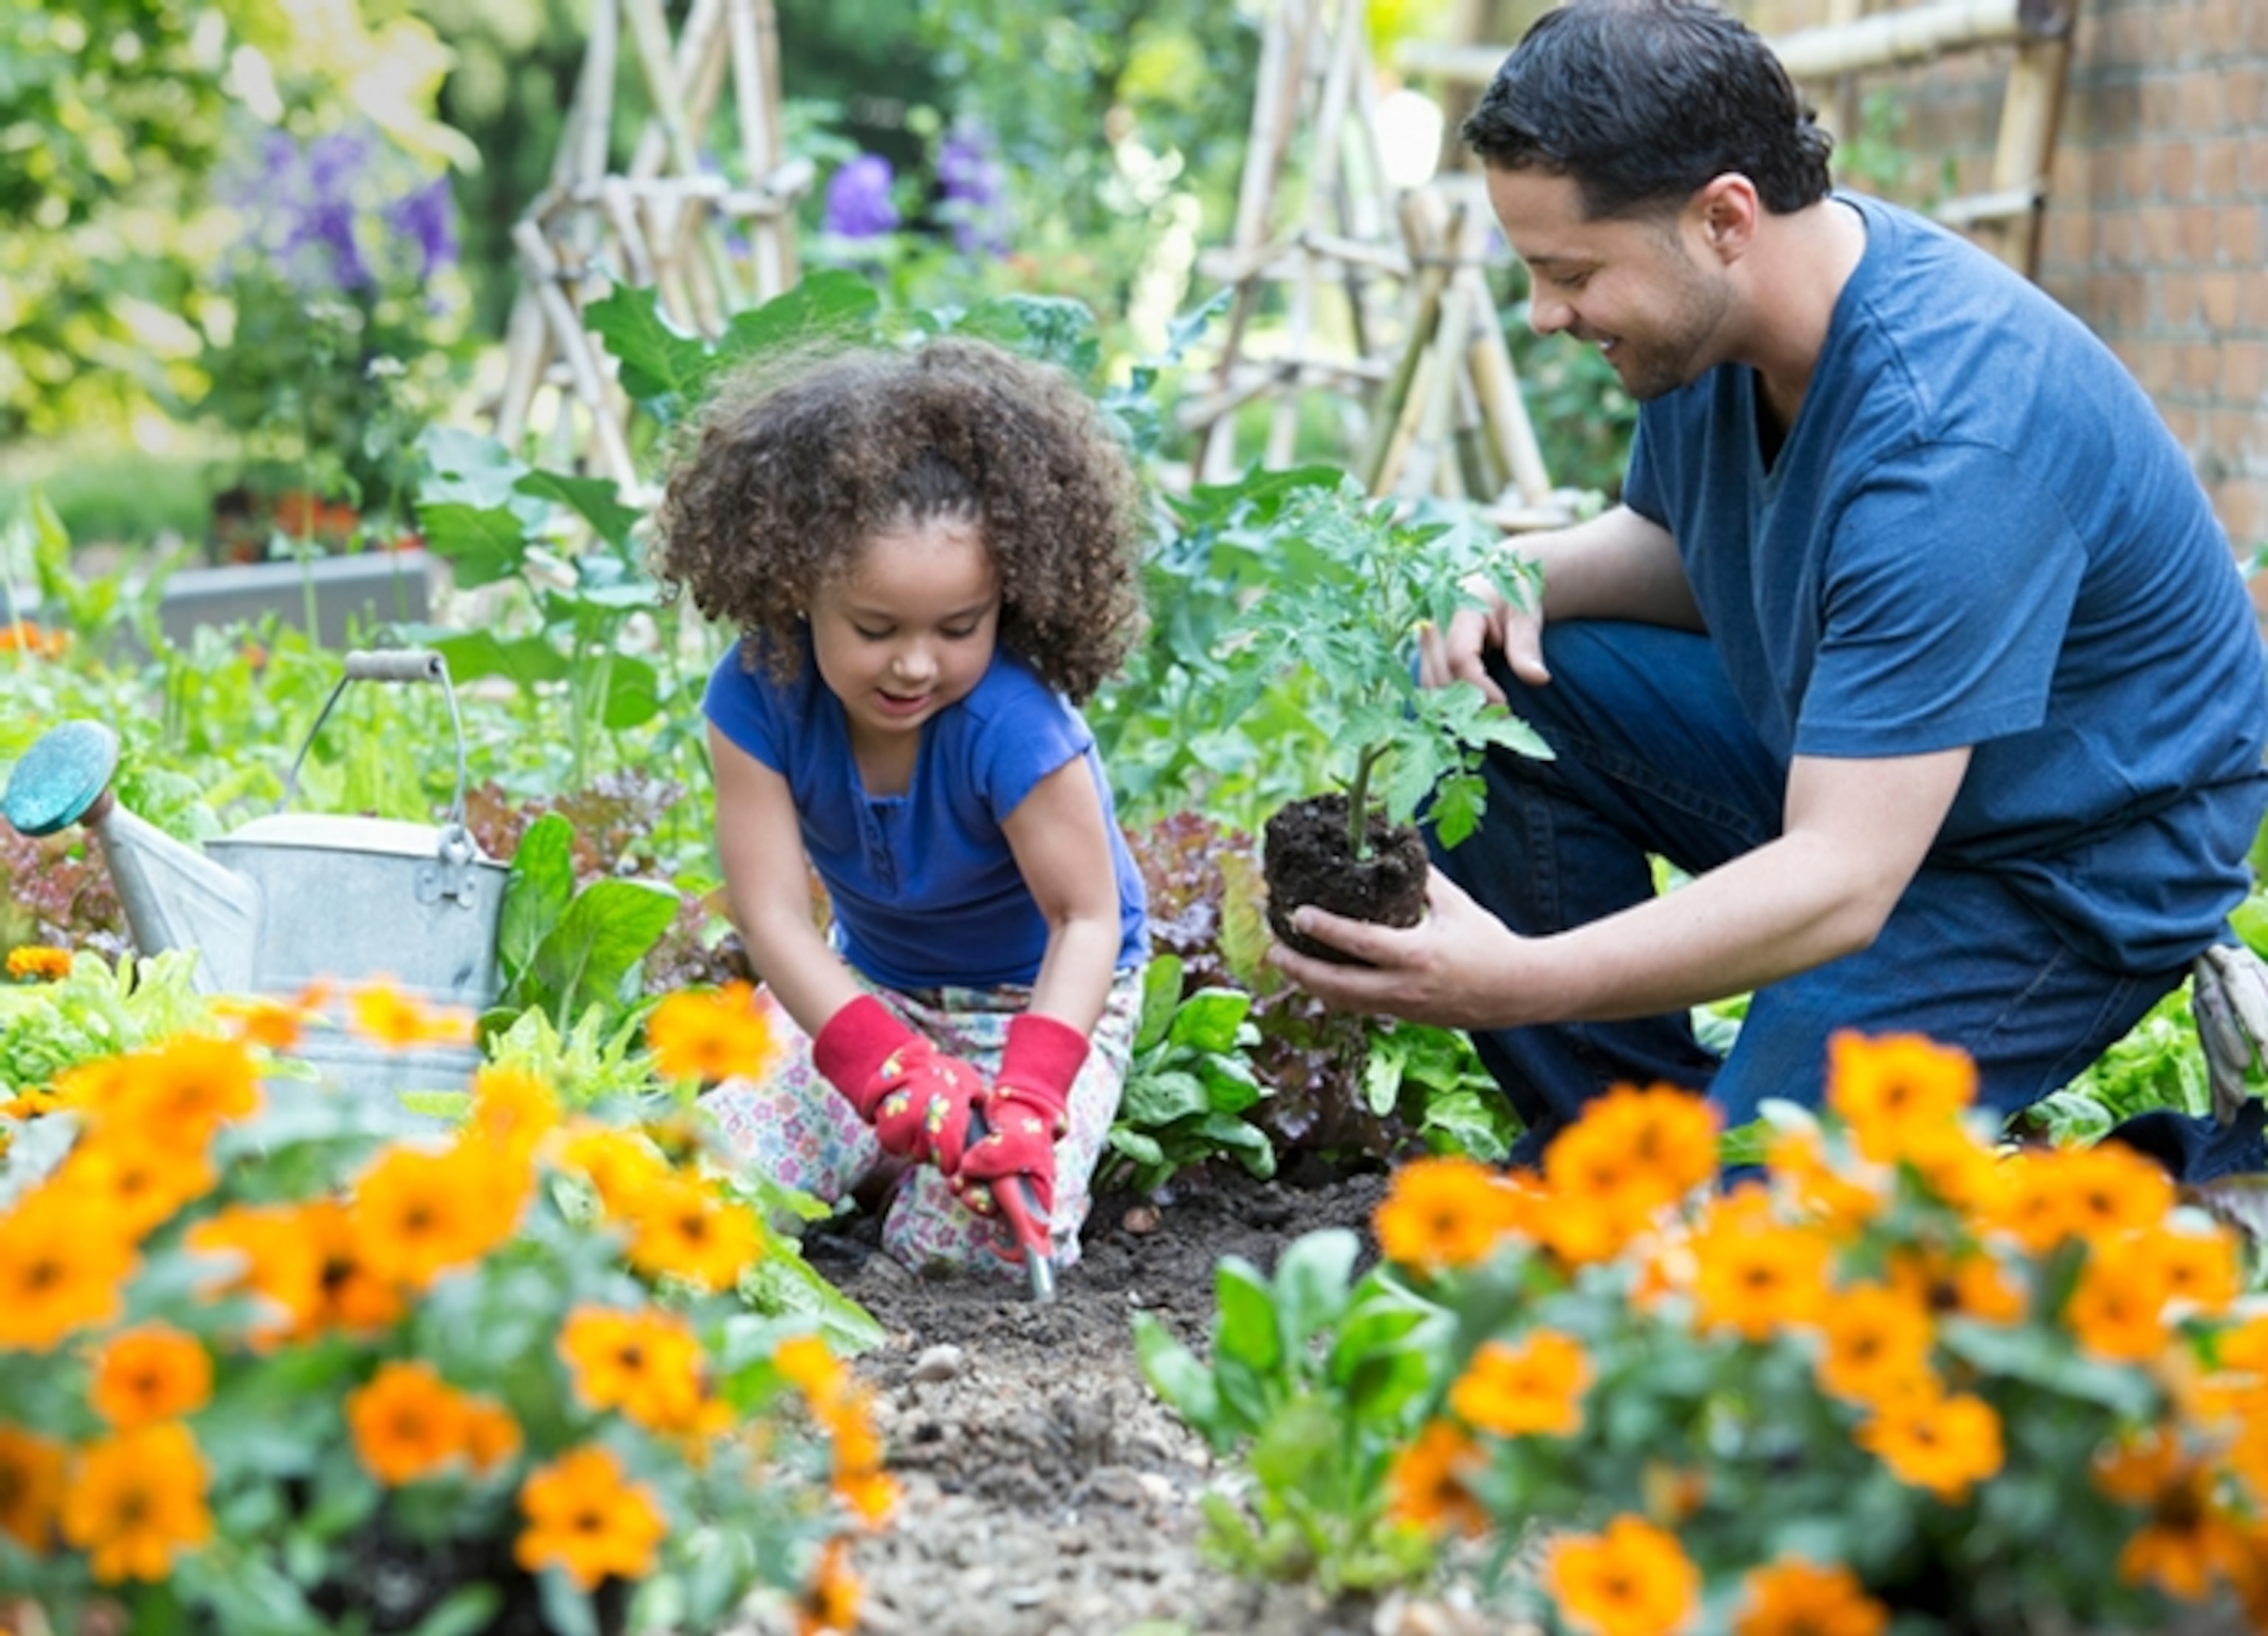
1306,860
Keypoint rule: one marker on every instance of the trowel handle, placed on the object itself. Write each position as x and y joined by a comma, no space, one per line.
414,664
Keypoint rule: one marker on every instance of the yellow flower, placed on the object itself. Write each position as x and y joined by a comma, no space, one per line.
261,1021
386,1016
2117,1308
1878,1342
408,1422
1887,1088
1445,1213
1931,1440
175,1095
586,1520
621,1167
61,1267
1634,1579
148,1374
31,1487
33,964
1427,1484
711,1036
830,1603
806,1364
2083,1192
136,1184
1969,1282
1535,1387
513,1109
134,1500
680,1227
1796,1598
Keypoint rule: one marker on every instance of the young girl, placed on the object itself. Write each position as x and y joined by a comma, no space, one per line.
931,556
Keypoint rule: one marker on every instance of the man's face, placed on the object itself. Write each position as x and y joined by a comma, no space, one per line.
1640,289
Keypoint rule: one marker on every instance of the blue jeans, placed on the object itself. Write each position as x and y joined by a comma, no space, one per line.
1656,757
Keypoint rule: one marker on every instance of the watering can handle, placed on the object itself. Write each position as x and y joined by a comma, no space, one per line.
390,665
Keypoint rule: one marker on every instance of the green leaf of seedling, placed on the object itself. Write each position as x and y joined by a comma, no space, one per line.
1230,1085
593,499
1245,1326
605,930
2250,921
1210,1020
1250,1145
1055,330
662,367
633,693
567,1611
525,661
1382,1069
1162,993
536,892
463,1612
828,304
1143,1150
1311,1281
483,544
1153,1100
1176,1376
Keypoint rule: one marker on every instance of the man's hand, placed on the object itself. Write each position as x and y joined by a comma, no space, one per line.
1454,969
1458,653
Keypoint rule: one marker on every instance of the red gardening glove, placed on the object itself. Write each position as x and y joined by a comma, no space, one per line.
1025,1110
916,1097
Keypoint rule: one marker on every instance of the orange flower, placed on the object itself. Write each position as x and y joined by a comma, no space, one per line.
1841,1203
134,1500
33,964
711,1036
680,1227
1631,1154
2117,1308
1889,1088
492,1436
872,1495
1795,1598
151,1373
1753,1275
24,637
2085,1192
621,1167
2186,1540
261,1021
408,1422
1445,1213
1426,1485
31,1487
348,1293
1878,1344
134,1184
61,1266
830,1603
806,1363
585,1519
1513,1391
175,1095
1931,1440
386,1016
647,1364
1634,1579
272,1257
1969,1282
420,1213
513,1109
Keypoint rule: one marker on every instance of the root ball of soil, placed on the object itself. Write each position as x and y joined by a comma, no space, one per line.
1306,860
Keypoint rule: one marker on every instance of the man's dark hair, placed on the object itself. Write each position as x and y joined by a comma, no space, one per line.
1642,101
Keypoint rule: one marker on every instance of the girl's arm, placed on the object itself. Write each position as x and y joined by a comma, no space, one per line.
1061,844
767,886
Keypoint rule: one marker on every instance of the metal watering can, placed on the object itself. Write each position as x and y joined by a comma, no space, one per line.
295,899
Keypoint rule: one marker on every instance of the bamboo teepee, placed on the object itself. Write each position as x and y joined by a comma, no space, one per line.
709,243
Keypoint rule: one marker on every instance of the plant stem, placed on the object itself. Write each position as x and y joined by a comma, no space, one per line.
1359,801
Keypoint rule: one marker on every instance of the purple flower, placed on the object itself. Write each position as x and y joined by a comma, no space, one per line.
976,193
859,199
427,217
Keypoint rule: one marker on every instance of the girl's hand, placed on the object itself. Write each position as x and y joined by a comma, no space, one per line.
917,1098
1027,1109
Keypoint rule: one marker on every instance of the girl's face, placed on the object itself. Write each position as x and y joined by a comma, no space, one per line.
909,629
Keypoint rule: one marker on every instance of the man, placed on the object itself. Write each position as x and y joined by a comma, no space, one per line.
1913,640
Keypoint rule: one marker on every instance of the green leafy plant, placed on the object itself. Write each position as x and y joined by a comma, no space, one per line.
1315,1379
564,950
1188,1084
1344,600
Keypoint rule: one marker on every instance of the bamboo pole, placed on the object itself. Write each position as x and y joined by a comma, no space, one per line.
1325,138
573,344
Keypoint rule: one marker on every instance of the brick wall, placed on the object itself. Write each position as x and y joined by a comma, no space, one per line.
2157,224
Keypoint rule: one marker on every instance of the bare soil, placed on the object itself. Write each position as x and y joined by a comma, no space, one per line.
1047,1491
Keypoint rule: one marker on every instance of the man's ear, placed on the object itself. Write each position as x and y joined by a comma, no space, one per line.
1727,209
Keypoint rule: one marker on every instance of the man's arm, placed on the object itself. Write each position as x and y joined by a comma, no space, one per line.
1856,833
1615,565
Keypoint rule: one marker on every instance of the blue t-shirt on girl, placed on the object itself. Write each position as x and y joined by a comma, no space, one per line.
1979,532
925,891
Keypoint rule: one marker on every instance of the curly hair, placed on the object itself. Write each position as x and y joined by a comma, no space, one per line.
1643,101
796,463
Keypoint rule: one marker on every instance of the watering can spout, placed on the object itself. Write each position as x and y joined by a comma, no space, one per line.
174,896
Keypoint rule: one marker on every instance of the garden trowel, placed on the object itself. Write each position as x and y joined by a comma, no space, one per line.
1020,1207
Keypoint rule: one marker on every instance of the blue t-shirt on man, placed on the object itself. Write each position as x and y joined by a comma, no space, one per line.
925,891
1959,545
